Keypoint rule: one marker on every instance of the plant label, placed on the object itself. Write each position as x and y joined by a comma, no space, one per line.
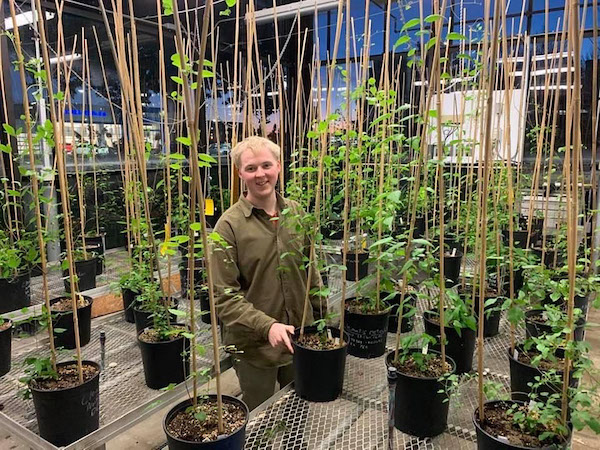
425,349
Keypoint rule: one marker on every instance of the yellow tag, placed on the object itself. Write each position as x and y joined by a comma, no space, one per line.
209,207
364,244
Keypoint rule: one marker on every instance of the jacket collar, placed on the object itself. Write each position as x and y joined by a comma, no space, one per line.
247,207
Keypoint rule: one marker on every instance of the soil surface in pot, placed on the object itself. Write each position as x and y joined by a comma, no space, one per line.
186,427
359,306
150,335
431,367
68,377
499,423
316,342
543,364
66,304
5,325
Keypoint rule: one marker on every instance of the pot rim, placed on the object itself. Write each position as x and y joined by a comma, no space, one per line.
64,363
225,397
56,299
519,347
161,342
380,313
480,428
418,350
295,343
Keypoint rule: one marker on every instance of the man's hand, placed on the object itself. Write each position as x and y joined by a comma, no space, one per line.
278,335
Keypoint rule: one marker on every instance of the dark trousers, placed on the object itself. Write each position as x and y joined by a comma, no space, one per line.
258,383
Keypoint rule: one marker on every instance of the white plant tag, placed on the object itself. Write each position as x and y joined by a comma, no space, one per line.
530,405
516,354
503,439
453,252
337,341
425,349
329,334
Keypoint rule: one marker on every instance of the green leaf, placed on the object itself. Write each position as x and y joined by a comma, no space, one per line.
456,37
230,3
9,129
195,226
402,40
167,7
432,18
185,140
207,74
410,24
206,158
225,12
6,149
177,80
177,156
177,312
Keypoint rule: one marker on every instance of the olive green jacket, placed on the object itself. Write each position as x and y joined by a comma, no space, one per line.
259,278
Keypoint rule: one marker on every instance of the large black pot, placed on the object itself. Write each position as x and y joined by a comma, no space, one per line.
410,302
420,409
459,348
522,375
367,333
96,244
86,272
234,441
128,301
319,374
536,329
5,349
15,293
143,318
351,263
486,441
199,276
420,227
164,362
67,415
64,320
520,238
452,266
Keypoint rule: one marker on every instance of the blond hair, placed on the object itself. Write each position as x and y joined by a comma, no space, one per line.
254,143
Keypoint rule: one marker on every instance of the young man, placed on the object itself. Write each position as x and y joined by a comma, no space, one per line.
259,281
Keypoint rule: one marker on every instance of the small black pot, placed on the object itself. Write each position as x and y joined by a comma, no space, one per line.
522,374
234,441
163,361
420,409
459,348
491,321
452,266
518,281
64,319
410,302
98,246
128,301
363,266
86,271
549,256
204,306
67,415
367,333
581,302
15,293
319,374
143,320
486,441
5,350
535,329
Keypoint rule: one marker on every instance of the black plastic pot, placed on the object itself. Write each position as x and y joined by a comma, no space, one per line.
319,374
581,302
183,275
491,321
420,409
367,333
410,301
205,306
420,227
234,441
67,415
96,244
128,301
535,329
459,348
163,361
86,272
452,266
518,282
64,320
520,238
5,349
363,266
486,441
15,293
522,375
143,320
549,256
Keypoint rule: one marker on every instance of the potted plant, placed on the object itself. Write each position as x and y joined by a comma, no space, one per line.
131,284
150,303
63,324
15,283
6,329
421,400
85,269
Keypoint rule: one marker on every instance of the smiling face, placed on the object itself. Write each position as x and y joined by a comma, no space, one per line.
260,170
